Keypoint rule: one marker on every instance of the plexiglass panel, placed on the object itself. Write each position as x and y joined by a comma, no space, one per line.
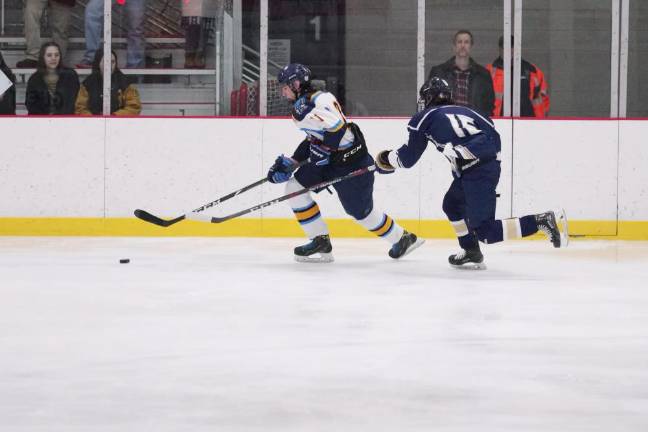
362,51
168,52
570,41
380,58
464,58
183,57
638,60
202,57
23,30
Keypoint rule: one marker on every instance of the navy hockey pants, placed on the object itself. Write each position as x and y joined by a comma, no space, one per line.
472,197
356,193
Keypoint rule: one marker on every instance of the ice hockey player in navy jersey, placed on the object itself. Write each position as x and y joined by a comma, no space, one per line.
334,148
472,146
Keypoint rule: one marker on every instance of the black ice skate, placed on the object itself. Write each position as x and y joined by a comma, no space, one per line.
407,243
548,224
318,250
471,259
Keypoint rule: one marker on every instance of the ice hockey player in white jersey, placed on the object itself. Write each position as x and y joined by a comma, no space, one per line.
334,148
472,146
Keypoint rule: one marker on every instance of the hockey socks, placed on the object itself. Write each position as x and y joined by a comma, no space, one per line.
467,240
508,229
310,219
518,227
306,211
383,226
528,225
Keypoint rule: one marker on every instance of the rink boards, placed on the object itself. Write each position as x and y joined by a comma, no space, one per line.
85,176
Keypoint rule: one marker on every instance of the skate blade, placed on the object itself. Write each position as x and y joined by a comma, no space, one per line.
416,245
470,266
561,220
322,258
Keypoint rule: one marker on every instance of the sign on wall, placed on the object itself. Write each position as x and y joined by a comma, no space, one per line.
279,51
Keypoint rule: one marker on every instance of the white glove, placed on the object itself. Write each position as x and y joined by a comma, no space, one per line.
449,151
451,154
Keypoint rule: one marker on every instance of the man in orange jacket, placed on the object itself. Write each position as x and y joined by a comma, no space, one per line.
534,99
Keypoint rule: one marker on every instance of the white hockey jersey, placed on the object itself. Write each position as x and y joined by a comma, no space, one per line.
320,116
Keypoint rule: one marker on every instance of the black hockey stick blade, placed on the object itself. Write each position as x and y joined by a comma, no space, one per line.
148,217
321,185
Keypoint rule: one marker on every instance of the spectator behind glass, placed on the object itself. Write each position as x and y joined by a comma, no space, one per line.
59,17
534,99
52,89
8,98
124,97
94,17
470,82
198,20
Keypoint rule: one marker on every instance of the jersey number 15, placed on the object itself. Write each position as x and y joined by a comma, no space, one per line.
463,125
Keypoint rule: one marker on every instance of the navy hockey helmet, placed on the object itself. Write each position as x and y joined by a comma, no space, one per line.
292,72
435,91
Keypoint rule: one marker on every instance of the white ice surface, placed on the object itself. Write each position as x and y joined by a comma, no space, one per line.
217,334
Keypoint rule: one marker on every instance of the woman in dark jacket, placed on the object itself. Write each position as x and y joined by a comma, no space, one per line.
52,89
124,97
8,98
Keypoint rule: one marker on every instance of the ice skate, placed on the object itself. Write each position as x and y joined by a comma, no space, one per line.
407,243
548,224
317,251
564,228
471,259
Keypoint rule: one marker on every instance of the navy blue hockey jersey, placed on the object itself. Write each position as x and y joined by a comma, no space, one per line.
473,137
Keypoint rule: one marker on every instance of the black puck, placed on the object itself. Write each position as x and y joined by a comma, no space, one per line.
124,261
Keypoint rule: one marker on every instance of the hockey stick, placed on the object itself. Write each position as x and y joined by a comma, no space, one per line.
151,218
321,185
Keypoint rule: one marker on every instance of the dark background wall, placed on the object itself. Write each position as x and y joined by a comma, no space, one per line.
367,48
638,60
570,40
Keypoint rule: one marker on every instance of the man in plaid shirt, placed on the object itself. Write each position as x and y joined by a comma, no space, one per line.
471,83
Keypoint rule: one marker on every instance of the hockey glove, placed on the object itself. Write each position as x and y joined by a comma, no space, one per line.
282,169
319,155
382,163
450,153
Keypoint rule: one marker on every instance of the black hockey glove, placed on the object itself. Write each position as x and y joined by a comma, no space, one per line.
382,163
